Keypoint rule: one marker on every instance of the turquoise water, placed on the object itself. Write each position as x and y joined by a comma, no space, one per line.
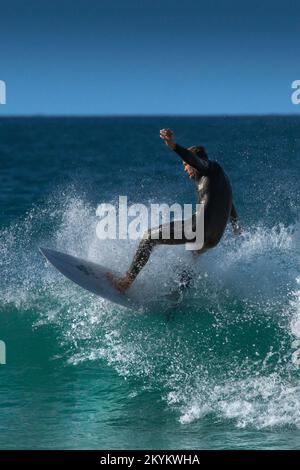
216,372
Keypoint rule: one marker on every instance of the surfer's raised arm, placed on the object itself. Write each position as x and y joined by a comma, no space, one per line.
186,155
214,193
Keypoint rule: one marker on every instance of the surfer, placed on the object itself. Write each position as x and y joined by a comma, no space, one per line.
214,192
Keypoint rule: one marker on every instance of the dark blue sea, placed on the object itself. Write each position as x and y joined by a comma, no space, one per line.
218,371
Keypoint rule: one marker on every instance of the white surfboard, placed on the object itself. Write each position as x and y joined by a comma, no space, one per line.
90,276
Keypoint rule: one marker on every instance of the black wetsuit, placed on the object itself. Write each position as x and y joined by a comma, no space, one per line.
214,191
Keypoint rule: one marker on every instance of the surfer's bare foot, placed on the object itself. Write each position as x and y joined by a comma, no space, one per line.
120,283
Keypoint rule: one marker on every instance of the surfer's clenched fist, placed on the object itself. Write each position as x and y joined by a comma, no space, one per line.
168,136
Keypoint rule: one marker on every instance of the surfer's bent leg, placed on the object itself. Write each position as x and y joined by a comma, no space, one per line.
165,234
142,255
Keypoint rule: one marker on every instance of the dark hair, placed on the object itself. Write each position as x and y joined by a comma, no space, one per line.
199,151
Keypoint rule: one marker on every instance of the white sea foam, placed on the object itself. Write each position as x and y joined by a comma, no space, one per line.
198,359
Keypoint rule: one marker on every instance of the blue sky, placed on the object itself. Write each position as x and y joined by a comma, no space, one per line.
149,57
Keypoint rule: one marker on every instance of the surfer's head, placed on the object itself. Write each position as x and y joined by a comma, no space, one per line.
201,153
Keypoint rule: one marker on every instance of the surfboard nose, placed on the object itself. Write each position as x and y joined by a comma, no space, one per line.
88,275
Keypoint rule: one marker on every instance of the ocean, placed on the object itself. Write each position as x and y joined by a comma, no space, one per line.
218,371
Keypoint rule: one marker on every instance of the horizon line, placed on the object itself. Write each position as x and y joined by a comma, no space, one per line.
221,115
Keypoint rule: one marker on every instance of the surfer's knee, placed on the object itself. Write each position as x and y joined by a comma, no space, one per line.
146,235
148,238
